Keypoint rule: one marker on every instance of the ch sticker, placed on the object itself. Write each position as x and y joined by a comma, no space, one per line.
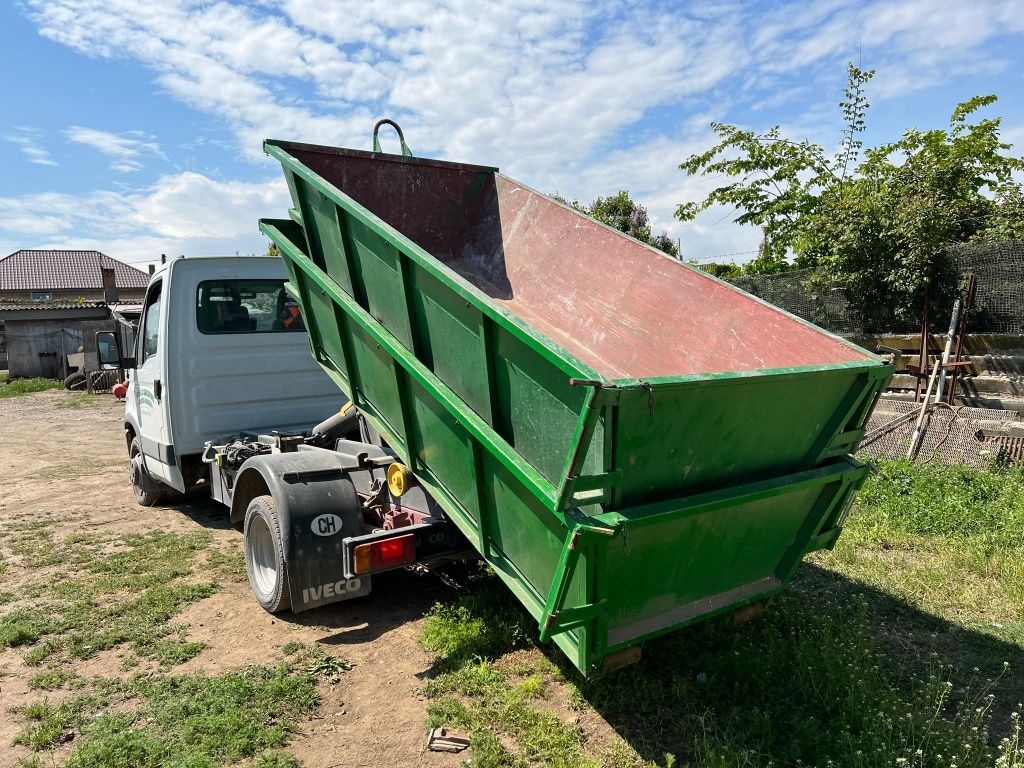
325,525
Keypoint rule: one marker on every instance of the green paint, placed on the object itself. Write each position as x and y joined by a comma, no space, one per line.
612,522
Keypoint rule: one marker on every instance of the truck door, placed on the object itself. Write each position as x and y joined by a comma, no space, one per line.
150,397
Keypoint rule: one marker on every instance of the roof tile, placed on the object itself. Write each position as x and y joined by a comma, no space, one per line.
65,270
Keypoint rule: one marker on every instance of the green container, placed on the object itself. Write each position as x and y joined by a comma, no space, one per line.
633,445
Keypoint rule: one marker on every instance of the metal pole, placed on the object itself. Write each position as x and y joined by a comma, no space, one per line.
922,360
916,438
954,323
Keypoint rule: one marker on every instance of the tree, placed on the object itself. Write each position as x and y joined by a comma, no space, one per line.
626,215
876,221
725,271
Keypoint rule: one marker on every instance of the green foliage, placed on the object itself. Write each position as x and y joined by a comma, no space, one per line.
941,500
49,725
1006,221
21,627
623,213
723,271
18,387
876,221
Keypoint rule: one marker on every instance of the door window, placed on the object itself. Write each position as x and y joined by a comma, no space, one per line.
151,322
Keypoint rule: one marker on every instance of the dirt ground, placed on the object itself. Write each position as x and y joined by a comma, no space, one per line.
70,464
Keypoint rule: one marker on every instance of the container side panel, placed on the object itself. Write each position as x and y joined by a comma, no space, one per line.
710,433
537,408
380,277
519,528
329,335
685,568
377,381
324,222
452,340
444,447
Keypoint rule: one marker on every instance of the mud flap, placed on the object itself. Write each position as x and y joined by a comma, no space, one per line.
317,508
322,510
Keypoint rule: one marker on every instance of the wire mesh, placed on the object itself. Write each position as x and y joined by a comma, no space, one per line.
998,306
952,435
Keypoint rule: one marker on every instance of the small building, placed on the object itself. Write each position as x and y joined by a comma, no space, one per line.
52,303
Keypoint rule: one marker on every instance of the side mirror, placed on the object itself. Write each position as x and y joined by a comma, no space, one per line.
109,351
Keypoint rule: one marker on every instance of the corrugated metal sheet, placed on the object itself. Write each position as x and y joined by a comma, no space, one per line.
23,305
65,270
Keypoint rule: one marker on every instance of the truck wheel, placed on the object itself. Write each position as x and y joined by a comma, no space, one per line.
75,381
264,555
139,477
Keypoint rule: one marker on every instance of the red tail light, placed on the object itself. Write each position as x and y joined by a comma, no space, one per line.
385,554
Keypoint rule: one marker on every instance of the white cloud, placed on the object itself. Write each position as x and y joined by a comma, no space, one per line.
126,148
28,141
183,213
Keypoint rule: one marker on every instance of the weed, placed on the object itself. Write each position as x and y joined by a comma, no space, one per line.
985,506
291,647
51,725
277,759
78,399
229,563
319,663
125,597
21,627
35,655
54,677
18,387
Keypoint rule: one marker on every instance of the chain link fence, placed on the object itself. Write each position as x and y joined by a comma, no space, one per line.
998,304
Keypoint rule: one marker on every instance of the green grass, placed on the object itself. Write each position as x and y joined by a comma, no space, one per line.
177,721
18,387
104,594
891,650
198,721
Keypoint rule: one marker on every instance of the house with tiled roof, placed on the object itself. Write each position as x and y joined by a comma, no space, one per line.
27,276
52,304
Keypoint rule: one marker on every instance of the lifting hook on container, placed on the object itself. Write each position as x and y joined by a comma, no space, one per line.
406,152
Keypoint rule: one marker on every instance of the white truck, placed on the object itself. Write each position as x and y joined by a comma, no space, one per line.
224,395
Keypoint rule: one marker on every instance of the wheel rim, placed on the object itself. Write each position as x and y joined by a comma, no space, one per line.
134,471
262,560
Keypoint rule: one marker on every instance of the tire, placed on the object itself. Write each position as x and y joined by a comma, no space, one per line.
75,381
264,555
135,471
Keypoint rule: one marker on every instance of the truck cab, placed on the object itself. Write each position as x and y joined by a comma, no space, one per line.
224,394
221,350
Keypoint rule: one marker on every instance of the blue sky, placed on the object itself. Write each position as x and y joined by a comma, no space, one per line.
135,126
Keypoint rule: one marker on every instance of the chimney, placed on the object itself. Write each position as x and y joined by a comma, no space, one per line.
109,285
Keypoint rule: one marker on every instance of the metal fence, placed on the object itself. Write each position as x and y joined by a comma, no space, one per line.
998,305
